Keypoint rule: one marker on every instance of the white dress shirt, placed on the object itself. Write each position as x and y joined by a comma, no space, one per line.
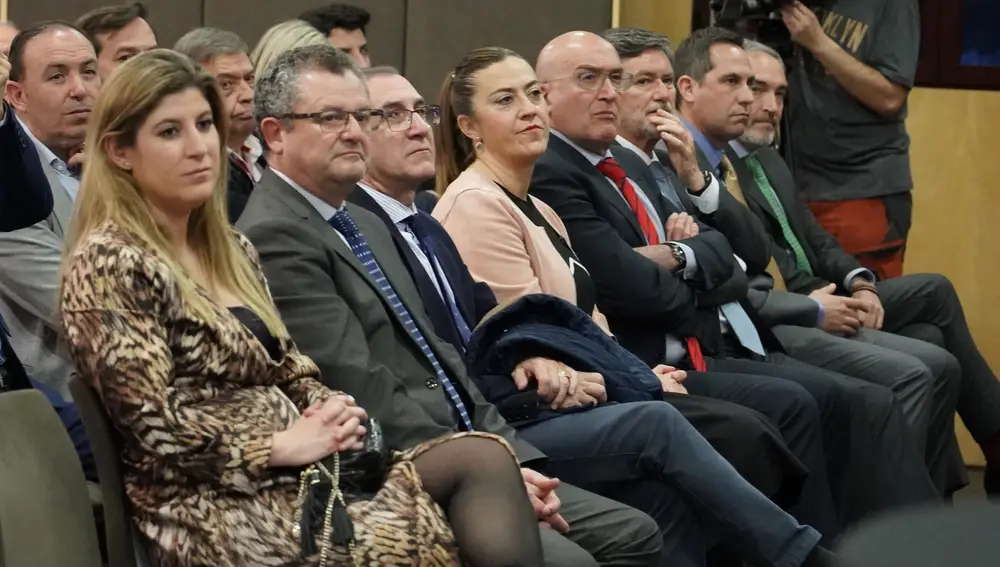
325,210
398,212
707,200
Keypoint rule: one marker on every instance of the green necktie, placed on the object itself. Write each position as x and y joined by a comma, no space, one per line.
772,198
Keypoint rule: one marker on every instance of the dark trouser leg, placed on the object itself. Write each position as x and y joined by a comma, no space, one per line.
924,379
605,533
796,414
886,468
930,298
749,441
621,447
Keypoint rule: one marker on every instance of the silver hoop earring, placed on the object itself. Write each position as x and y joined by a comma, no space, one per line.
478,145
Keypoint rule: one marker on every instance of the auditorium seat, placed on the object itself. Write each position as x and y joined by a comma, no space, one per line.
124,548
46,516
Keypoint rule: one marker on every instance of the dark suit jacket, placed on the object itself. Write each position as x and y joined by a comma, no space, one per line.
642,300
338,317
744,231
750,240
238,190
25,196
828,260
474,299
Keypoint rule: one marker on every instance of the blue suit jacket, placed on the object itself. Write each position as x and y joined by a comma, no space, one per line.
25,195
474,299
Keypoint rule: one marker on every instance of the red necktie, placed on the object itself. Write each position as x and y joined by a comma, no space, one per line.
694,353
613,170
244,150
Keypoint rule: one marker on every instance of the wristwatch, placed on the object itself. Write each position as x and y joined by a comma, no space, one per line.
708,181
679,256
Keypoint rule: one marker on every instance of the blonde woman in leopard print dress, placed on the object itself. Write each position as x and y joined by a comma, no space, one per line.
168,316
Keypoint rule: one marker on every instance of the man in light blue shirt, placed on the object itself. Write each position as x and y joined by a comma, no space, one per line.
51,90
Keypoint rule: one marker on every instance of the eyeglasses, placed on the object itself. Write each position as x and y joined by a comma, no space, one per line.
336,120
400,119
592,79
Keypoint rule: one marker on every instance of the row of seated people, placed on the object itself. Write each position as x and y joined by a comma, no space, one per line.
362,303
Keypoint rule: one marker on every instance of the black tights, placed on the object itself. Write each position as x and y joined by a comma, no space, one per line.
479,486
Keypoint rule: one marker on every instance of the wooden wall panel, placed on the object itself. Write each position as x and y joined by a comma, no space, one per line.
440,32
671,18
251,19
956,202
170,18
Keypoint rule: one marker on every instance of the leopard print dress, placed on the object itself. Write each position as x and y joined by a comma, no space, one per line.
197,404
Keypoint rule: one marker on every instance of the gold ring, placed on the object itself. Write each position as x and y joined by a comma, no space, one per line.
563,374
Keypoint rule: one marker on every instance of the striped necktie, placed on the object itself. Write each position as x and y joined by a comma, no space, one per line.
345,225
613,170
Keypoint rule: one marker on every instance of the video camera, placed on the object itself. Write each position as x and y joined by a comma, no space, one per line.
756,19
734,10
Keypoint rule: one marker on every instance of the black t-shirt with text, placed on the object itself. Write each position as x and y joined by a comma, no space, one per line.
841,149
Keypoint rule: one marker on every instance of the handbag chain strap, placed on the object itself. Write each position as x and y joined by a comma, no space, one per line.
311,476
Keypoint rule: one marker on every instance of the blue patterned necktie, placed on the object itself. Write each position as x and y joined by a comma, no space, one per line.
344,224
427,245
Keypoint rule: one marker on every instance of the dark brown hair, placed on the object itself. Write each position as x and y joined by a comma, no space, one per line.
109,19
453,150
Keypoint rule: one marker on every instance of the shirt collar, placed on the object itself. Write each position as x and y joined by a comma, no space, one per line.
46,154
325,210
649,159
398,212
741,150
713,154
593,158
252,152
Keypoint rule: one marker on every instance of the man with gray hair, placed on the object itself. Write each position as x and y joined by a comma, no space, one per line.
7,32
810,260
816,324
223,54
349,303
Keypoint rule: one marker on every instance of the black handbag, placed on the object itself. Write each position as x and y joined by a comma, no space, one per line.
325,488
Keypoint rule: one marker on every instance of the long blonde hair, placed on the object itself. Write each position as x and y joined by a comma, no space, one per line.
280,38
109,194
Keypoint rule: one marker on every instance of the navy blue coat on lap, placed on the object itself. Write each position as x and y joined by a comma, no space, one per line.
541,325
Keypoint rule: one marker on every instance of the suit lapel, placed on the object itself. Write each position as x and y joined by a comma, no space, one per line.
610,194
301,208
675,181
748,183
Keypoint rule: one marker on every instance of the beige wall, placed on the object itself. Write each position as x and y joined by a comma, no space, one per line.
956,202
672,18
957,190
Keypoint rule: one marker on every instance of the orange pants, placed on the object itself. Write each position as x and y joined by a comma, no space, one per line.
872,230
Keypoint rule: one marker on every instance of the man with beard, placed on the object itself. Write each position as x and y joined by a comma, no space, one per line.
809,259
692,156
51,89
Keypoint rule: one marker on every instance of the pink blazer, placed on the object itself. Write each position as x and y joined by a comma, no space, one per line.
501,246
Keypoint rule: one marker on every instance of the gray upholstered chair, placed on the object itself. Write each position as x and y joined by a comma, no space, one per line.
124,547
46,516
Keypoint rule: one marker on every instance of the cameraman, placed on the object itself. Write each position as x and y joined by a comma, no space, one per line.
847,98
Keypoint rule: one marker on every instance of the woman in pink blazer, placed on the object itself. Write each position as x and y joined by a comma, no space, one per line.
508,239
